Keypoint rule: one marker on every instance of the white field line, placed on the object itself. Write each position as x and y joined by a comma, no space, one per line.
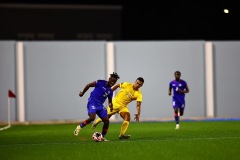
118,141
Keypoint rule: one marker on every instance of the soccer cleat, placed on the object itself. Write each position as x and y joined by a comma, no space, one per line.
94,126
177,126
104,139
124,136
77,130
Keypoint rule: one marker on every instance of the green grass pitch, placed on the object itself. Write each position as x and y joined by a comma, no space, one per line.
196,140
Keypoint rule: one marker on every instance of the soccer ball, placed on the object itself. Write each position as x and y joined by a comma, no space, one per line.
97,136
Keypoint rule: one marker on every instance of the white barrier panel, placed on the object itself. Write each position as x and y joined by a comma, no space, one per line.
209,79
20,81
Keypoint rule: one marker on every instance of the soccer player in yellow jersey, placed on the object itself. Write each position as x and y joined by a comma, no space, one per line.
128,92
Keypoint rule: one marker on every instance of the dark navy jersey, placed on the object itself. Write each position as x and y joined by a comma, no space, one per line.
101,92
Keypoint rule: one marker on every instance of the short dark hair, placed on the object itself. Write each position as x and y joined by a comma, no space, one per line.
140,79
177,72
115,75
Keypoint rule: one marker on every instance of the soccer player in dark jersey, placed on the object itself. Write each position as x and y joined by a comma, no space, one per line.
96,100
179,88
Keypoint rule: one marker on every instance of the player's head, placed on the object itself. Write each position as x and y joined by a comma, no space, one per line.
177,75
138,83
113,78
140,79
114,75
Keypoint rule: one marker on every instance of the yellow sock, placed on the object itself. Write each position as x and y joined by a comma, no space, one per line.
97,121
124,127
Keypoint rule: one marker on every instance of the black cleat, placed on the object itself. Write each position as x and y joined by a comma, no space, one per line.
124,136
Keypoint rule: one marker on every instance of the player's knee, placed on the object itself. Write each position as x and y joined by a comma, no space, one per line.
92,119
127,118
181,113
106,121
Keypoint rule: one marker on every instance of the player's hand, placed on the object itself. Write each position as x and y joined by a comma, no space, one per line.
169,93
111,107
81,94
180,91
137,116
133,98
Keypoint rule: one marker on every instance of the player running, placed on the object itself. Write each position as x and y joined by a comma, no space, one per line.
95,105
179,88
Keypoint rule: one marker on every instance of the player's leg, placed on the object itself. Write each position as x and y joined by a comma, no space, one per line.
104,117
181,112
182,108
177,118
105,128
95,123
126,119
176,113
99,120
92,115
91,118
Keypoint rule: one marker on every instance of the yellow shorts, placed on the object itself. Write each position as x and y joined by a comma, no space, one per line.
117,110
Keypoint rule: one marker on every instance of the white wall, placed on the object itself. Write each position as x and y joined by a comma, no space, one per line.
55,72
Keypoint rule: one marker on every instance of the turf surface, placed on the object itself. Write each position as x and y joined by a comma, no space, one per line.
150,140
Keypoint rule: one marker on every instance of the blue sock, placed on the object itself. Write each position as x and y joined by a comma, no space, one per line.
176,118
104,132
84,123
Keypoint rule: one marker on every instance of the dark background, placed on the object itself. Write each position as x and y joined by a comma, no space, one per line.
119,20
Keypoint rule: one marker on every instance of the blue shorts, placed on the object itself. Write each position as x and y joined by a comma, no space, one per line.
98,109
178,104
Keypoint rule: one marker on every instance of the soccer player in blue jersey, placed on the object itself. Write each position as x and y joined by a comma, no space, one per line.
179,88
101,92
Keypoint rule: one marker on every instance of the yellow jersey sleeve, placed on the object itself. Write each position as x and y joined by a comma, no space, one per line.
139,95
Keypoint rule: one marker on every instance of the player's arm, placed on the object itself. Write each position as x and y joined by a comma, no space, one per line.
186,90
170,90
110,105
92,84
115,87
137,116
